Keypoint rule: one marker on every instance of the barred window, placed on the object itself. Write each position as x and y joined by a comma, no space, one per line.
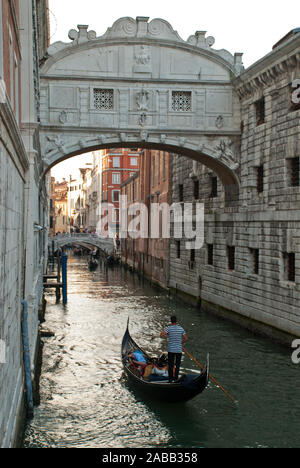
181,101
210,254
196,189
103,99
214,187
290,266
255,261
294,171
260,178
231,257
260,111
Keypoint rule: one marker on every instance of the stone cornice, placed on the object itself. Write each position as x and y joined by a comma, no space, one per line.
269,69
139,31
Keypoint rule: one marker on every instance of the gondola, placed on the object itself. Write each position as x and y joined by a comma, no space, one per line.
93,264
188,386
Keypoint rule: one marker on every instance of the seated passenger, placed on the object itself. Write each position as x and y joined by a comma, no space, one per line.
139,360
162,371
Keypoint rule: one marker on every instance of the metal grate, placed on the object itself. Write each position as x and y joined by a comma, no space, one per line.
182,101
103,99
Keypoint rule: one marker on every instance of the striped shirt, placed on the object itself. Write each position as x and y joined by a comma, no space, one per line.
175,334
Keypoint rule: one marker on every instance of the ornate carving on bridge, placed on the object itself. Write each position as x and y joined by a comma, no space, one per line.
82,35
219,121
142,100
63,117
143,57
142,119
225,153
199,40
55,143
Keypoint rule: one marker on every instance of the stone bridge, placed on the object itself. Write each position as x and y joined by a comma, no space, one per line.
140,85
93,240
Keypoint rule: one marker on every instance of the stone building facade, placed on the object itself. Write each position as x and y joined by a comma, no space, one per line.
59,220
249,266
149,253
23,204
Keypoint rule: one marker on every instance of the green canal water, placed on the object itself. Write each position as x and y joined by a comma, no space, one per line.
87,402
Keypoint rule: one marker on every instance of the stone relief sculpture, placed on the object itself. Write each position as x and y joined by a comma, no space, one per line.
143,58
142,100
55,142
219,121
226,154
142,119
63,117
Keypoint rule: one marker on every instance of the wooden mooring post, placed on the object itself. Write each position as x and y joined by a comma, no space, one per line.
58,285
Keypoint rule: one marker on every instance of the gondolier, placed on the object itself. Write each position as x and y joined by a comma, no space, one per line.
176,337
157,386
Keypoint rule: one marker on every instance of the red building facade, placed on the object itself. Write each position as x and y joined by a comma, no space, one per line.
117,166
10,60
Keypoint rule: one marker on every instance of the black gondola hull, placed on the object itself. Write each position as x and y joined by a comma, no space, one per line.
163,391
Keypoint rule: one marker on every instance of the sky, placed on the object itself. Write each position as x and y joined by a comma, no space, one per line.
71,167
249,27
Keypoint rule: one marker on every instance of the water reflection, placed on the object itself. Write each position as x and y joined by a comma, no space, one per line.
87,402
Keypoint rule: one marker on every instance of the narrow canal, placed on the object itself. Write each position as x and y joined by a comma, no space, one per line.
86,401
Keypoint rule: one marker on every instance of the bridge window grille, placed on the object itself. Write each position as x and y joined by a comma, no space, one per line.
103,99
182,101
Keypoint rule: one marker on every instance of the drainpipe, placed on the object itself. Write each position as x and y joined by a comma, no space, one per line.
26,357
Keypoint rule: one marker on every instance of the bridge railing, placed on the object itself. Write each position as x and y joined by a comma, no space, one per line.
104,243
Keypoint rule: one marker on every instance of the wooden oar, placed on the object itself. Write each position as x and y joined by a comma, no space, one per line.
210,376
